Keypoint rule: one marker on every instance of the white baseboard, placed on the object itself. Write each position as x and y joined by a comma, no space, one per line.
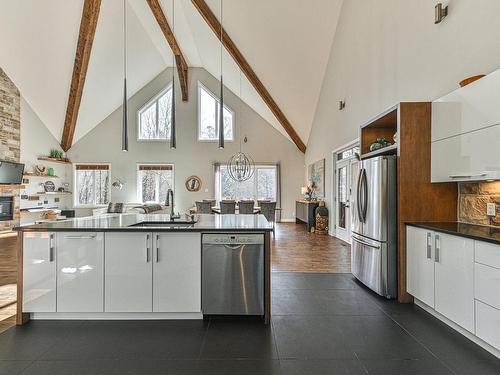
115,316
459,329
287,221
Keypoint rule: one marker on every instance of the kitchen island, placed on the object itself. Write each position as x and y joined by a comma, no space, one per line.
132,266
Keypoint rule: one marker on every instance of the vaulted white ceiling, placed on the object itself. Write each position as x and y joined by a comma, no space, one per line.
287,42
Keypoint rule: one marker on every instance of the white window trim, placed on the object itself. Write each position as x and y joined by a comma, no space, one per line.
75,195
219,197
138,182
138,116
198,129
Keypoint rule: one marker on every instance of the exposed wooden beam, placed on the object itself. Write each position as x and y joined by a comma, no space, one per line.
245,67
88,26
180,61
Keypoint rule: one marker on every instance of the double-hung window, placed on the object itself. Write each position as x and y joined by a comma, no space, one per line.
208,116
154,117
153,182
92,184
263,185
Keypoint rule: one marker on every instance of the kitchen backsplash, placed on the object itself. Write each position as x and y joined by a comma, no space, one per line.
472,200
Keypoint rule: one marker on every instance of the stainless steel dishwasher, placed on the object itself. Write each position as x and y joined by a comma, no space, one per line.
233,274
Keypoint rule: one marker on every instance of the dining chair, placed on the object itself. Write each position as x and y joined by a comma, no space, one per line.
259,201
203,207
245,207
213,202
268,209
227,207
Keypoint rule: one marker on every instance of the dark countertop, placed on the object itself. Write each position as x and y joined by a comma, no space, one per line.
476,232
123,222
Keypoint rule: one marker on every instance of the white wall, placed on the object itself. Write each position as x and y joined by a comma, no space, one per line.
387,51
265,144
37,140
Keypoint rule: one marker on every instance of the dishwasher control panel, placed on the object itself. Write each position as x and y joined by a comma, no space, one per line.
233,239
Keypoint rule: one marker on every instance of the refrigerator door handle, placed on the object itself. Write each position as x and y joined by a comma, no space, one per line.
364,243
358,195
364,182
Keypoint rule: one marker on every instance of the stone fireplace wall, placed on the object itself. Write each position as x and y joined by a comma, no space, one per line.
472,200
10,138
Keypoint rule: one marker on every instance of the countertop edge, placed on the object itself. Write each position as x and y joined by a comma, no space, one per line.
150,229
432,226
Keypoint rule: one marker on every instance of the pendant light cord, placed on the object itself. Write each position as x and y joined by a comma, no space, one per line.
124,39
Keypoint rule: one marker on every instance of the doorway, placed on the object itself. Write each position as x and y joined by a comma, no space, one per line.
345,164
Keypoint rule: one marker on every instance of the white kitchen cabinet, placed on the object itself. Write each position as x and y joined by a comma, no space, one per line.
488,324
80,272
488,254
468,108
39,272
420,264
177,272
128,272
467,157
487,285
454,278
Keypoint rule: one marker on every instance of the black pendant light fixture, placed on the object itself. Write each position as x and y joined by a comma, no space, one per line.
173,140
125,110
221,103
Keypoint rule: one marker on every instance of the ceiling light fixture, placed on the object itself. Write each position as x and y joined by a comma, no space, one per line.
173,139
125,109
240,166
221,103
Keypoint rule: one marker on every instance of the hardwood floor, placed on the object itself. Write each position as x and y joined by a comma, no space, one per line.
8,274
296,250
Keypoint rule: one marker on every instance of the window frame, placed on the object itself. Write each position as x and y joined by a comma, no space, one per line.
274,167
76,204
139,185
152,100
216,98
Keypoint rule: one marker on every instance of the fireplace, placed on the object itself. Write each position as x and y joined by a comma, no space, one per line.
6,208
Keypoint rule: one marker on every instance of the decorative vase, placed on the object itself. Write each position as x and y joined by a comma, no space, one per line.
50,171
321,215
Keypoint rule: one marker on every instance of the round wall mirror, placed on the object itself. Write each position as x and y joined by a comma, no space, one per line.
193,183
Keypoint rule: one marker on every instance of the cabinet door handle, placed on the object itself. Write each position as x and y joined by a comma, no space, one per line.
51,248
157,248
90,237
429,245
437,246
147,248
468,175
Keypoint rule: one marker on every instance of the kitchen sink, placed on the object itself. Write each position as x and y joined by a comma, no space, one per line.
164,224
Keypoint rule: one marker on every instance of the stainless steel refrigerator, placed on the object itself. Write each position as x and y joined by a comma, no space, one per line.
374,225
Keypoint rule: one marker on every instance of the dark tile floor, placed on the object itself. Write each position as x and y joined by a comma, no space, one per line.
322,324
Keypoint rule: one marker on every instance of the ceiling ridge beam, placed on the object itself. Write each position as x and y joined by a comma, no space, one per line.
245,67
180,61
88,25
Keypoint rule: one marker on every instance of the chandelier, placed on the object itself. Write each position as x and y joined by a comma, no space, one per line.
240,167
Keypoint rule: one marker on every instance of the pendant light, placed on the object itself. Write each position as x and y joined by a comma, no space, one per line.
221,103
173,140
125,109
241,166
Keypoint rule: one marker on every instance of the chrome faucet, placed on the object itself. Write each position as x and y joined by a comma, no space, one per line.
170,193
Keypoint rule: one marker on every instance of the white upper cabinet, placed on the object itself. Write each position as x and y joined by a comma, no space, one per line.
39,272
466,109
466,132
80,272
472,156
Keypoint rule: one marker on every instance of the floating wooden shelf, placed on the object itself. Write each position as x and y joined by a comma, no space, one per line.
53,193
54,160
389,150
37,210
38,176
8,186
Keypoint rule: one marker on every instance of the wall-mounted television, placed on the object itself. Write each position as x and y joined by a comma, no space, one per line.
11,173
